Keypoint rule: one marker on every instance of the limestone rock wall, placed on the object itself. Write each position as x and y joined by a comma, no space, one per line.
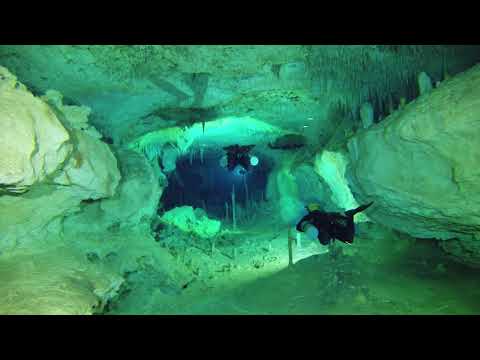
47,166
33,142
420,165
133,89
55,282
92,170
52,160
134,204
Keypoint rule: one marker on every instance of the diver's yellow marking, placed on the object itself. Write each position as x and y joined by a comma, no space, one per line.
313,207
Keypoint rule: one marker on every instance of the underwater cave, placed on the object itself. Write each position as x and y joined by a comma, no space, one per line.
225,179
202,182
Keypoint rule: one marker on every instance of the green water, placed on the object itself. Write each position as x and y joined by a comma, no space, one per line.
421,281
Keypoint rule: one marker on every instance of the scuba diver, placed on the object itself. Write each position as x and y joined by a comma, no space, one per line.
330,226
237,155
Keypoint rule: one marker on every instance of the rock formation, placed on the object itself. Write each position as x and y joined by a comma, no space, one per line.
420,165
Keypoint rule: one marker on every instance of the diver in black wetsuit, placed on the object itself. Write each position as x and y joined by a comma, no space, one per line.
331,226
238,155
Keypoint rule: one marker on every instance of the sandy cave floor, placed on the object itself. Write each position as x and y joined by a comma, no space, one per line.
258,281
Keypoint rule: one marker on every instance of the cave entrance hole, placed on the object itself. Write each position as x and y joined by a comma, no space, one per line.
201,182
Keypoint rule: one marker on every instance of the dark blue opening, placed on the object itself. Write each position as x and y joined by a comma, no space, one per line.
208,185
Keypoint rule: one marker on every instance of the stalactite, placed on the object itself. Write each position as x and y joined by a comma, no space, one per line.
226,211
391,106
152,151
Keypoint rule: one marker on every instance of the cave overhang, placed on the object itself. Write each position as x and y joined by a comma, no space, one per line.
214,134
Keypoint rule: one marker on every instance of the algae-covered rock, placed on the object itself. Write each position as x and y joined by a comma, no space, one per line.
189,220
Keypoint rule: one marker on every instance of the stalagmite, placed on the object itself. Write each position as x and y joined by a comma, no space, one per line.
290,239
366,115
247,202
114,220
299,240
424,83
234,220
391,108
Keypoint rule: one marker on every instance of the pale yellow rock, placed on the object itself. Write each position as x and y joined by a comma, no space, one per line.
31,217
36,149
421,164
92,169
33,142
331,167
75,116
54,281
188,220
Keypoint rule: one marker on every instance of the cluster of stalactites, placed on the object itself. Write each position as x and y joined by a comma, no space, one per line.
152,150
360,74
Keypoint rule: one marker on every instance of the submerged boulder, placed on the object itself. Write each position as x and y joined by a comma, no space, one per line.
189,220
420,165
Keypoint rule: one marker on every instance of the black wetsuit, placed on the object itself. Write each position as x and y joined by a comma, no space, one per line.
332,226
238,155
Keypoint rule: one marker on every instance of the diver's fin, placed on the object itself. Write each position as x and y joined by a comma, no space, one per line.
358,209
